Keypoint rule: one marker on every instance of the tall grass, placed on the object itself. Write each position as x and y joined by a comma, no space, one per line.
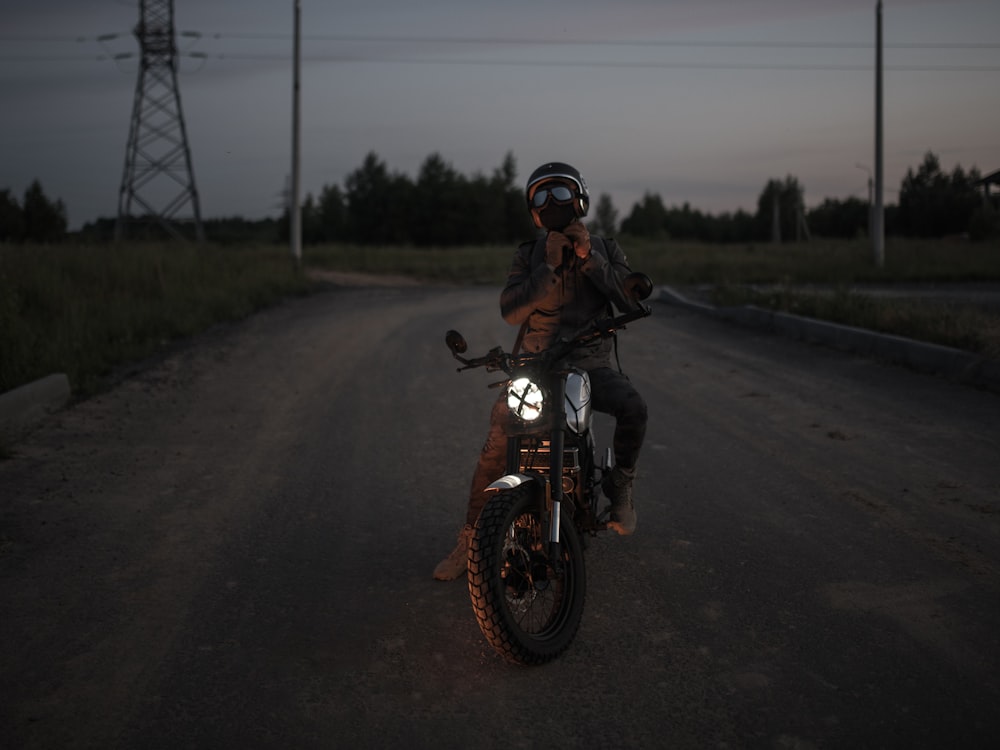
820,262
825,262
827,281
82,310
733,272
971,326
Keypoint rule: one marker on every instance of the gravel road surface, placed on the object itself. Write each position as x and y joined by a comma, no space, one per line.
233,548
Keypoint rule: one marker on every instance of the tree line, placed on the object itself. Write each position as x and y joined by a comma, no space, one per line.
36,219
932,203
442,207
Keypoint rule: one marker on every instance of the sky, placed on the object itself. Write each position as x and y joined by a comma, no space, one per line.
697,101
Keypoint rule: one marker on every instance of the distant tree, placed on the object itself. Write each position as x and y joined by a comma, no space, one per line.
985,223
780,209
482,214
234,230
452,209
332,214
11,218
312,221
439,203
840,218
935,204
44,220
688,224
378,203
736,227
605,221
515,222
648,218
442,208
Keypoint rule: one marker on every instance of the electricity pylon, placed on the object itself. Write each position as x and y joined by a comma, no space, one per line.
157,159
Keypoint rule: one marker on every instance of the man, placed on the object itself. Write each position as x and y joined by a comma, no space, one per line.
556,286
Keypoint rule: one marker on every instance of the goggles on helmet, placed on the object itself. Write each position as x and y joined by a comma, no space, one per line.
558,193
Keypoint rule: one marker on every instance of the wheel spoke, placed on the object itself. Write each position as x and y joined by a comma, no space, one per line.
534,591
528,608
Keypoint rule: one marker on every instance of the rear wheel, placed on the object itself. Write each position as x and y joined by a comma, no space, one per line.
528,605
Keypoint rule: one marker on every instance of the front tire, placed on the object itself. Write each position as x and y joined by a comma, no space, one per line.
528,606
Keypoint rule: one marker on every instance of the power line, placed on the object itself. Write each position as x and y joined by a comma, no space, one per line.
618,64
332,58
196,36
708,43
378,39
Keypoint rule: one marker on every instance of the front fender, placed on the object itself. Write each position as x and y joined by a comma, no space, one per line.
511,481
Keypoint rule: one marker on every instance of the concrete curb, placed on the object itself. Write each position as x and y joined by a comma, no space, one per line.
954,364
23,408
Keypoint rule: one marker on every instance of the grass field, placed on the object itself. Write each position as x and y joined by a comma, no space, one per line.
84,310
820,262
811,279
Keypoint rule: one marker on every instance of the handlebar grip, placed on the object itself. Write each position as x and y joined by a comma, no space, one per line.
642,312
609,325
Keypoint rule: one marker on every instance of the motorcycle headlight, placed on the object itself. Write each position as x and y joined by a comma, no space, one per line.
525,399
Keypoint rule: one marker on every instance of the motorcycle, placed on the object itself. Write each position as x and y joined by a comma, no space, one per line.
526,573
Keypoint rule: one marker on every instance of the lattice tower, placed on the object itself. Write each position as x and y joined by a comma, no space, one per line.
158,177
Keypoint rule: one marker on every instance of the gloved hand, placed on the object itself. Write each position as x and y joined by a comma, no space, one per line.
580,237
555,243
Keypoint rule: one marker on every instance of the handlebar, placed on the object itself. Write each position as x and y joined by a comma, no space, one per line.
608,326
497,359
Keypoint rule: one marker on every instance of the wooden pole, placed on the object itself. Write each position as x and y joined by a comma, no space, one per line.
295,210
878,217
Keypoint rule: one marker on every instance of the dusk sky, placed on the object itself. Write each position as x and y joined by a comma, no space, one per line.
700,101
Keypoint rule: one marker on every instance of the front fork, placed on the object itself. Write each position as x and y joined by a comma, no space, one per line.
554,487
552,494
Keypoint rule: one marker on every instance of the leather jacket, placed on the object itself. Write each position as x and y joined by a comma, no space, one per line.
553,304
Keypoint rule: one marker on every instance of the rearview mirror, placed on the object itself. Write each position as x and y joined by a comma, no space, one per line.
455,342
638,286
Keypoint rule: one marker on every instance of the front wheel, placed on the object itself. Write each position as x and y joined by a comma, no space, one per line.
528,605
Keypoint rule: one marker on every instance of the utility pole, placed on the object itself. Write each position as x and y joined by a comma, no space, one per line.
157,158
295,210
878,215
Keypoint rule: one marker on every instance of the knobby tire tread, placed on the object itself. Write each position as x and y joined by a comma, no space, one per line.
488,603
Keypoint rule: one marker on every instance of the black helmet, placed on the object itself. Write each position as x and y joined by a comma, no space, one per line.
559,172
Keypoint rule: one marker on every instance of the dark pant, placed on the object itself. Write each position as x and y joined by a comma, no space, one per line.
612,394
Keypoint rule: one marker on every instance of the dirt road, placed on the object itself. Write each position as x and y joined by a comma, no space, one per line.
233,548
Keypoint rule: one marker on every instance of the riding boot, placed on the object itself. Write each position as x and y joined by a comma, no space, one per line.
617,486
456,563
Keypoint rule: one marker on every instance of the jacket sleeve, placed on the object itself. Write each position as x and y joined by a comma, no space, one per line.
607,270
527,288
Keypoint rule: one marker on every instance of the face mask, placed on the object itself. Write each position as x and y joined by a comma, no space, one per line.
556,217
